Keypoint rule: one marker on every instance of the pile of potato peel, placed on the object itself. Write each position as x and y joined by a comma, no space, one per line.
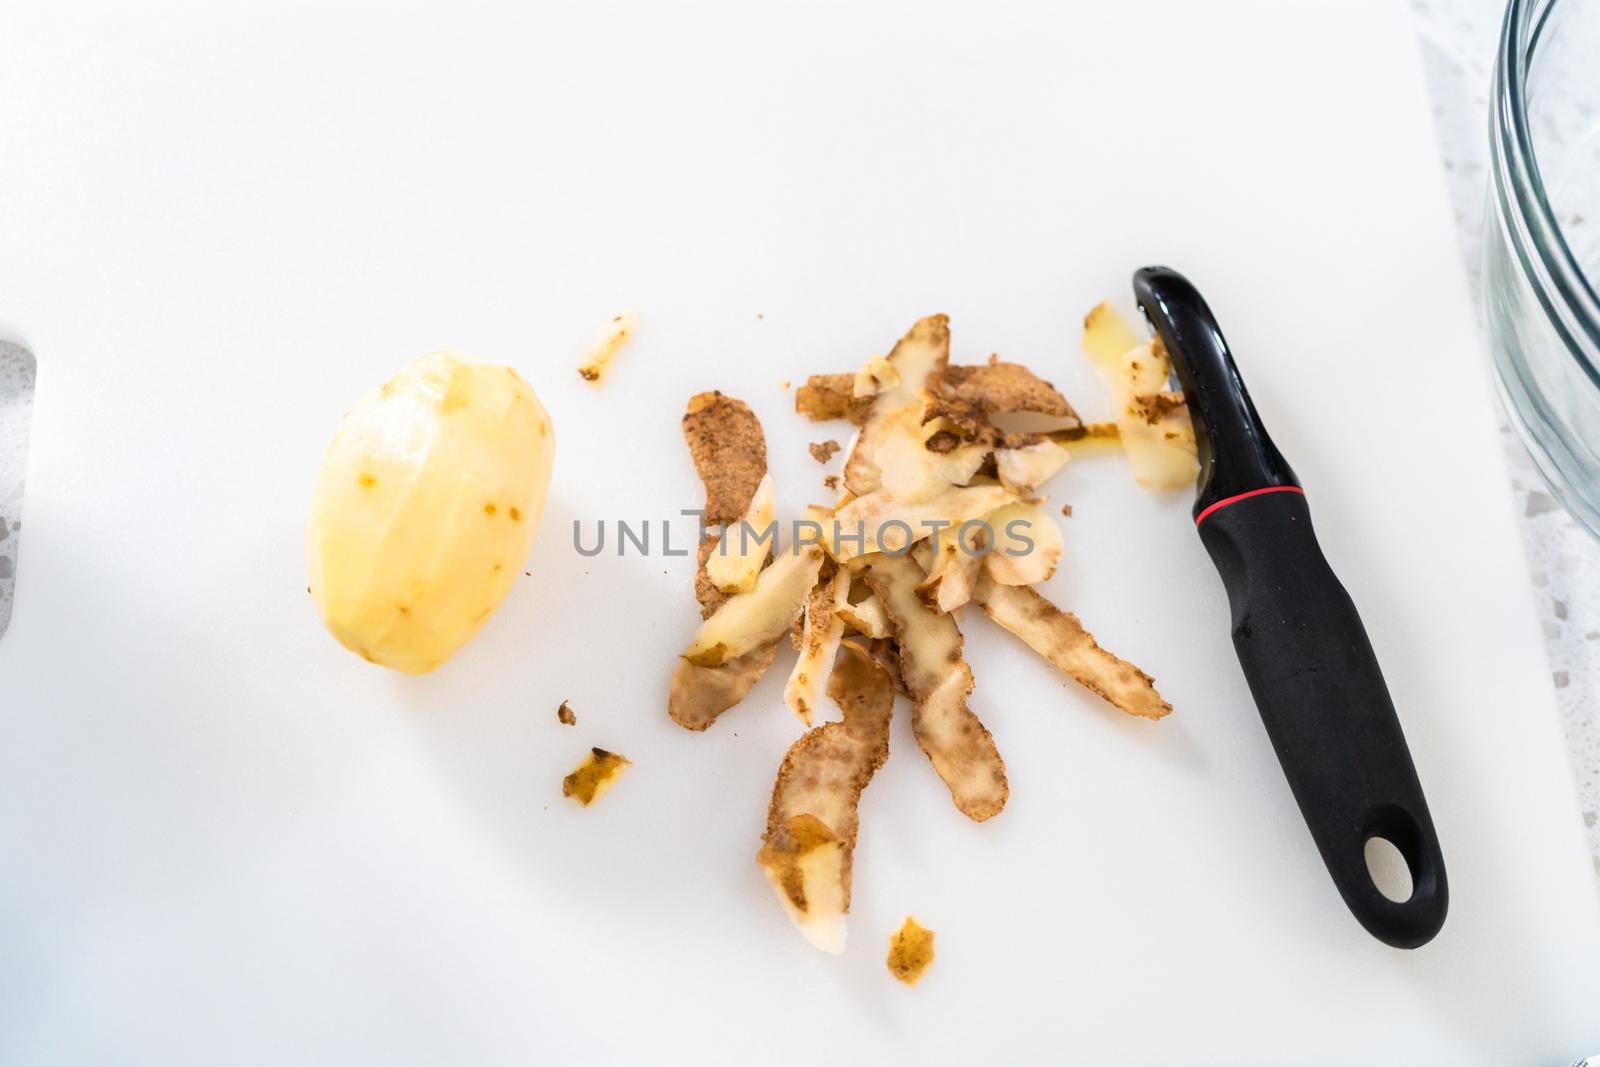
939,508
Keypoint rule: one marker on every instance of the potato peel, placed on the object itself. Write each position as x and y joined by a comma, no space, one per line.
597,773
745,545
1027,545
912,473
603,350
1092,439
1153,425
917,357
910,951
952,570
699,694
730,455
825,397
1023,470
820,635
813,820
1059,637
997,388
889,525
729,451
865,615
993,388
749,620
937,677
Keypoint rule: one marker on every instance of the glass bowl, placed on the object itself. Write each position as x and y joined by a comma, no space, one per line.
1542,245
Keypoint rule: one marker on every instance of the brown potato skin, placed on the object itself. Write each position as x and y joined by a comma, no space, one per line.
730,454
824,773
937,676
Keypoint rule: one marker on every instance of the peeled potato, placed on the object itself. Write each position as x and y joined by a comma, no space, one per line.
425,509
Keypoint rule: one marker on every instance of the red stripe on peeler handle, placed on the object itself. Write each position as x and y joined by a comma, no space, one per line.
1225,501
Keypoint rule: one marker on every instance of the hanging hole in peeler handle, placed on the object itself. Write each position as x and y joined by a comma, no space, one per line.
1389,870
1403,898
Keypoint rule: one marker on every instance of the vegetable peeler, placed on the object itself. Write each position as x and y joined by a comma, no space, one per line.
1305,654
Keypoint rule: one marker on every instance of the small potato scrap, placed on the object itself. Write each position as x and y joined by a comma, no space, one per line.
937,676
597,360
1153,425
744,546
910,951
831,396
823,451
1059,637
749,620
820,635
812,820
565,716
597,773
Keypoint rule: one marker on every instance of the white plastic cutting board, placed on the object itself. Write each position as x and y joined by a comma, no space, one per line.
227,840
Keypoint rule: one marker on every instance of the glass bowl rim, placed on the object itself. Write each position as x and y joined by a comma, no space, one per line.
1529,220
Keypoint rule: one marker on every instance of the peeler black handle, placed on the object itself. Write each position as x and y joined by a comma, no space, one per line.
1305,654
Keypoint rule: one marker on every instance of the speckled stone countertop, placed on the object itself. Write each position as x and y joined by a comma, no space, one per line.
1457,39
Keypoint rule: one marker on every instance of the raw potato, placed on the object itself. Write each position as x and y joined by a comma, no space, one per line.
425,509
1059,637
910,951
750,620
939,680
819,641
745,545
1027,545
1156,435
812,820
597,361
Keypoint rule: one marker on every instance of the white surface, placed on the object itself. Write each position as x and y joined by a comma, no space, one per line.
238,843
